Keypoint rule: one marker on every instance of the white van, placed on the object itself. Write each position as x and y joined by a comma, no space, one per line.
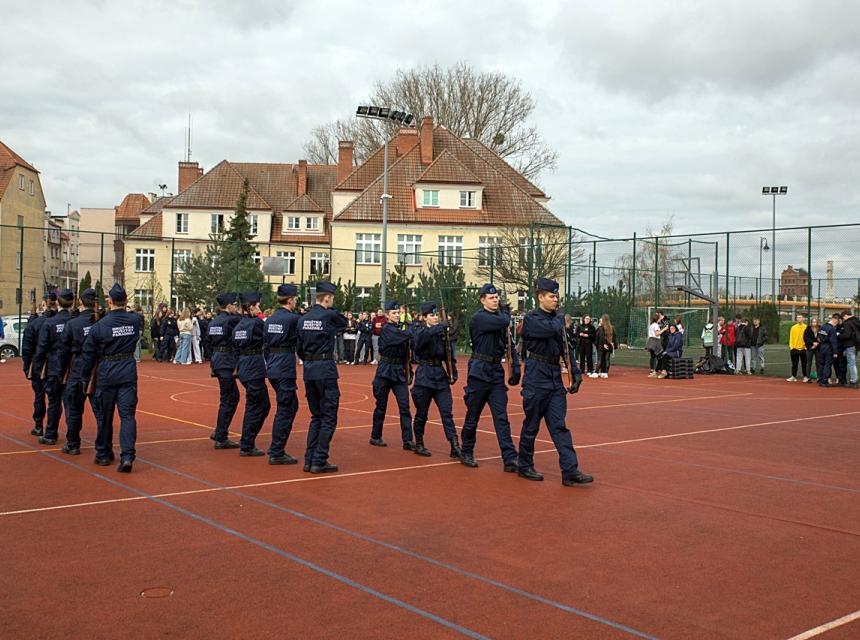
12,327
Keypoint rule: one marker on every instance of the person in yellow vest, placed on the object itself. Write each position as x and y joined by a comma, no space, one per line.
797,349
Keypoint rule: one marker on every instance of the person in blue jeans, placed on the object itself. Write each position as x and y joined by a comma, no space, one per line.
850,339
828,349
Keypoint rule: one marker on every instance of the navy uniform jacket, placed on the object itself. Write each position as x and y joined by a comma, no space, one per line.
50,346
114,335
169,327
31,337
542,333
281,333
489,333
77,330
393,343
248,342
316,337
220,334
827,338
365,328
429,345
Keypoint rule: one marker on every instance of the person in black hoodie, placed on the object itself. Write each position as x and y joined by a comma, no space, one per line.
169,333
572,338
743,346
365,335
850,338
606,343
586,334
759,339
810,339
155,333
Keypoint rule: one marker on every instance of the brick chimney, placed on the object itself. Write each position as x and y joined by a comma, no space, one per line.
188,173
345,150
426,139
302,178
406,140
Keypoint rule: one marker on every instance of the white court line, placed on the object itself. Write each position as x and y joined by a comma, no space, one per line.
827,626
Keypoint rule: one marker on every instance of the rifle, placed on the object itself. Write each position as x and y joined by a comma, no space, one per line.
90,386
446,343
407,363
566,357
67,365
509,347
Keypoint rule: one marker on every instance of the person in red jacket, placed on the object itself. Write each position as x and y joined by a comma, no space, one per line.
378,321
727,339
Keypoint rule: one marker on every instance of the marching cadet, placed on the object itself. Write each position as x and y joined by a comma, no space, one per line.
280,351
391,376
317,332
77,330
51,358
431,379
490,332
109,348
544,395
223,363
28,350
251,371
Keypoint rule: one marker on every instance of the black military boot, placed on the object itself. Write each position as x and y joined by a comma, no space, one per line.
530,474
378,442
420,449
408,446
468,459
226,444
575,478
37,430
455,447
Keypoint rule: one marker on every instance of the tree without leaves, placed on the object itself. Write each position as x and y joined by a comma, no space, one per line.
657,263
486,105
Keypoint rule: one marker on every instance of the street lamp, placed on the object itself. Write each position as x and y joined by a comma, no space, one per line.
403,119
773,191
762,246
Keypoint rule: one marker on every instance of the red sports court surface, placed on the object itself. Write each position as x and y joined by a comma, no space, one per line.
722,508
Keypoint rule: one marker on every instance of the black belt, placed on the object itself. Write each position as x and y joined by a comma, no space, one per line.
387,360
251,352
430,363
222,349
485,358
117,356
318,357
281,349
542,358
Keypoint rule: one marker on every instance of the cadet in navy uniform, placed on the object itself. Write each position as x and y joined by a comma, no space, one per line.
51,357
280,352
223,363
28,350
77,330
544,395
251,371
391,377
110,346
490,331
316,337
431,379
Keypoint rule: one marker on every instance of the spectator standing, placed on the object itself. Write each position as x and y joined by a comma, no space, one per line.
169,336
813,354
586,334
606,342
155,333
743,346
572,338
378,322
839,365
828,349
797,349
654,346
708,332
350,338
196,352
139,312
204,319
759,339
850,337
364,340
183,352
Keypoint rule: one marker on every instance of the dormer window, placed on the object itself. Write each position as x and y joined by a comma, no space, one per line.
467,199
312,223
293,222
431,197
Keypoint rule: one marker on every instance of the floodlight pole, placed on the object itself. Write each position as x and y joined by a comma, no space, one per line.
385,197
773,255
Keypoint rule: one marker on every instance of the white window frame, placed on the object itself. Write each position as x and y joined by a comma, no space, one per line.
290,257
144,297
32,187
180,259
144,258
257,258
181,223
364,292
312,223
21,181
450,250
409,248
485,243
368,248
320,256
430,198
217,223
294,222
254,222
469,197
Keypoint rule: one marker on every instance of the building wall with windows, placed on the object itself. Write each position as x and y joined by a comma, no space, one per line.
96,252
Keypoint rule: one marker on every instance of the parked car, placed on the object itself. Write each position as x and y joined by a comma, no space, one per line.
12,327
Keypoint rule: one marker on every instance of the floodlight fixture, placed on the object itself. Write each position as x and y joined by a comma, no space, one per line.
362,111
765,191
373,112
773,192
783,191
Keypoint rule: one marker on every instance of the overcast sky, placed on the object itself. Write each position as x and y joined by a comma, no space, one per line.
656,109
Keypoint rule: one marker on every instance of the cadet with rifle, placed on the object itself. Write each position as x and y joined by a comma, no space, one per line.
28,350
49,363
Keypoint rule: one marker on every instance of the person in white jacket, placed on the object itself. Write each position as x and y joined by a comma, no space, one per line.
195,339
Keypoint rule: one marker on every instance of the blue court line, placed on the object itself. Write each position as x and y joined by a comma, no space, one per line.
264,545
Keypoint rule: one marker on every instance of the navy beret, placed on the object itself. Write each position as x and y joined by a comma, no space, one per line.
429,307
226,298
324,286
117,293
66,295
545,284
88,295
391,305
487,289
51,295
288,291
250,297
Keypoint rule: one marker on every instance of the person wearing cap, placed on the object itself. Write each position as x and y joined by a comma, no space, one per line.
223,363
391,377
49,362
544,394
109,347
431,378
280,352
364,340
251,371
315,346
77,330
490,333
28,350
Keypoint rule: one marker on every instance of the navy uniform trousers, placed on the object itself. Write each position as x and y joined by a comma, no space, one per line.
39,406
422,396
323,400
476,395
257,406
122,398
381,387
54,390
227,403
73,405
288,407
550,406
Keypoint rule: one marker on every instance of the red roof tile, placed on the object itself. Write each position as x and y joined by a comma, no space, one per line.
219,188
304,203
150,229
131,206
499,163
446,168
8,161
158,204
